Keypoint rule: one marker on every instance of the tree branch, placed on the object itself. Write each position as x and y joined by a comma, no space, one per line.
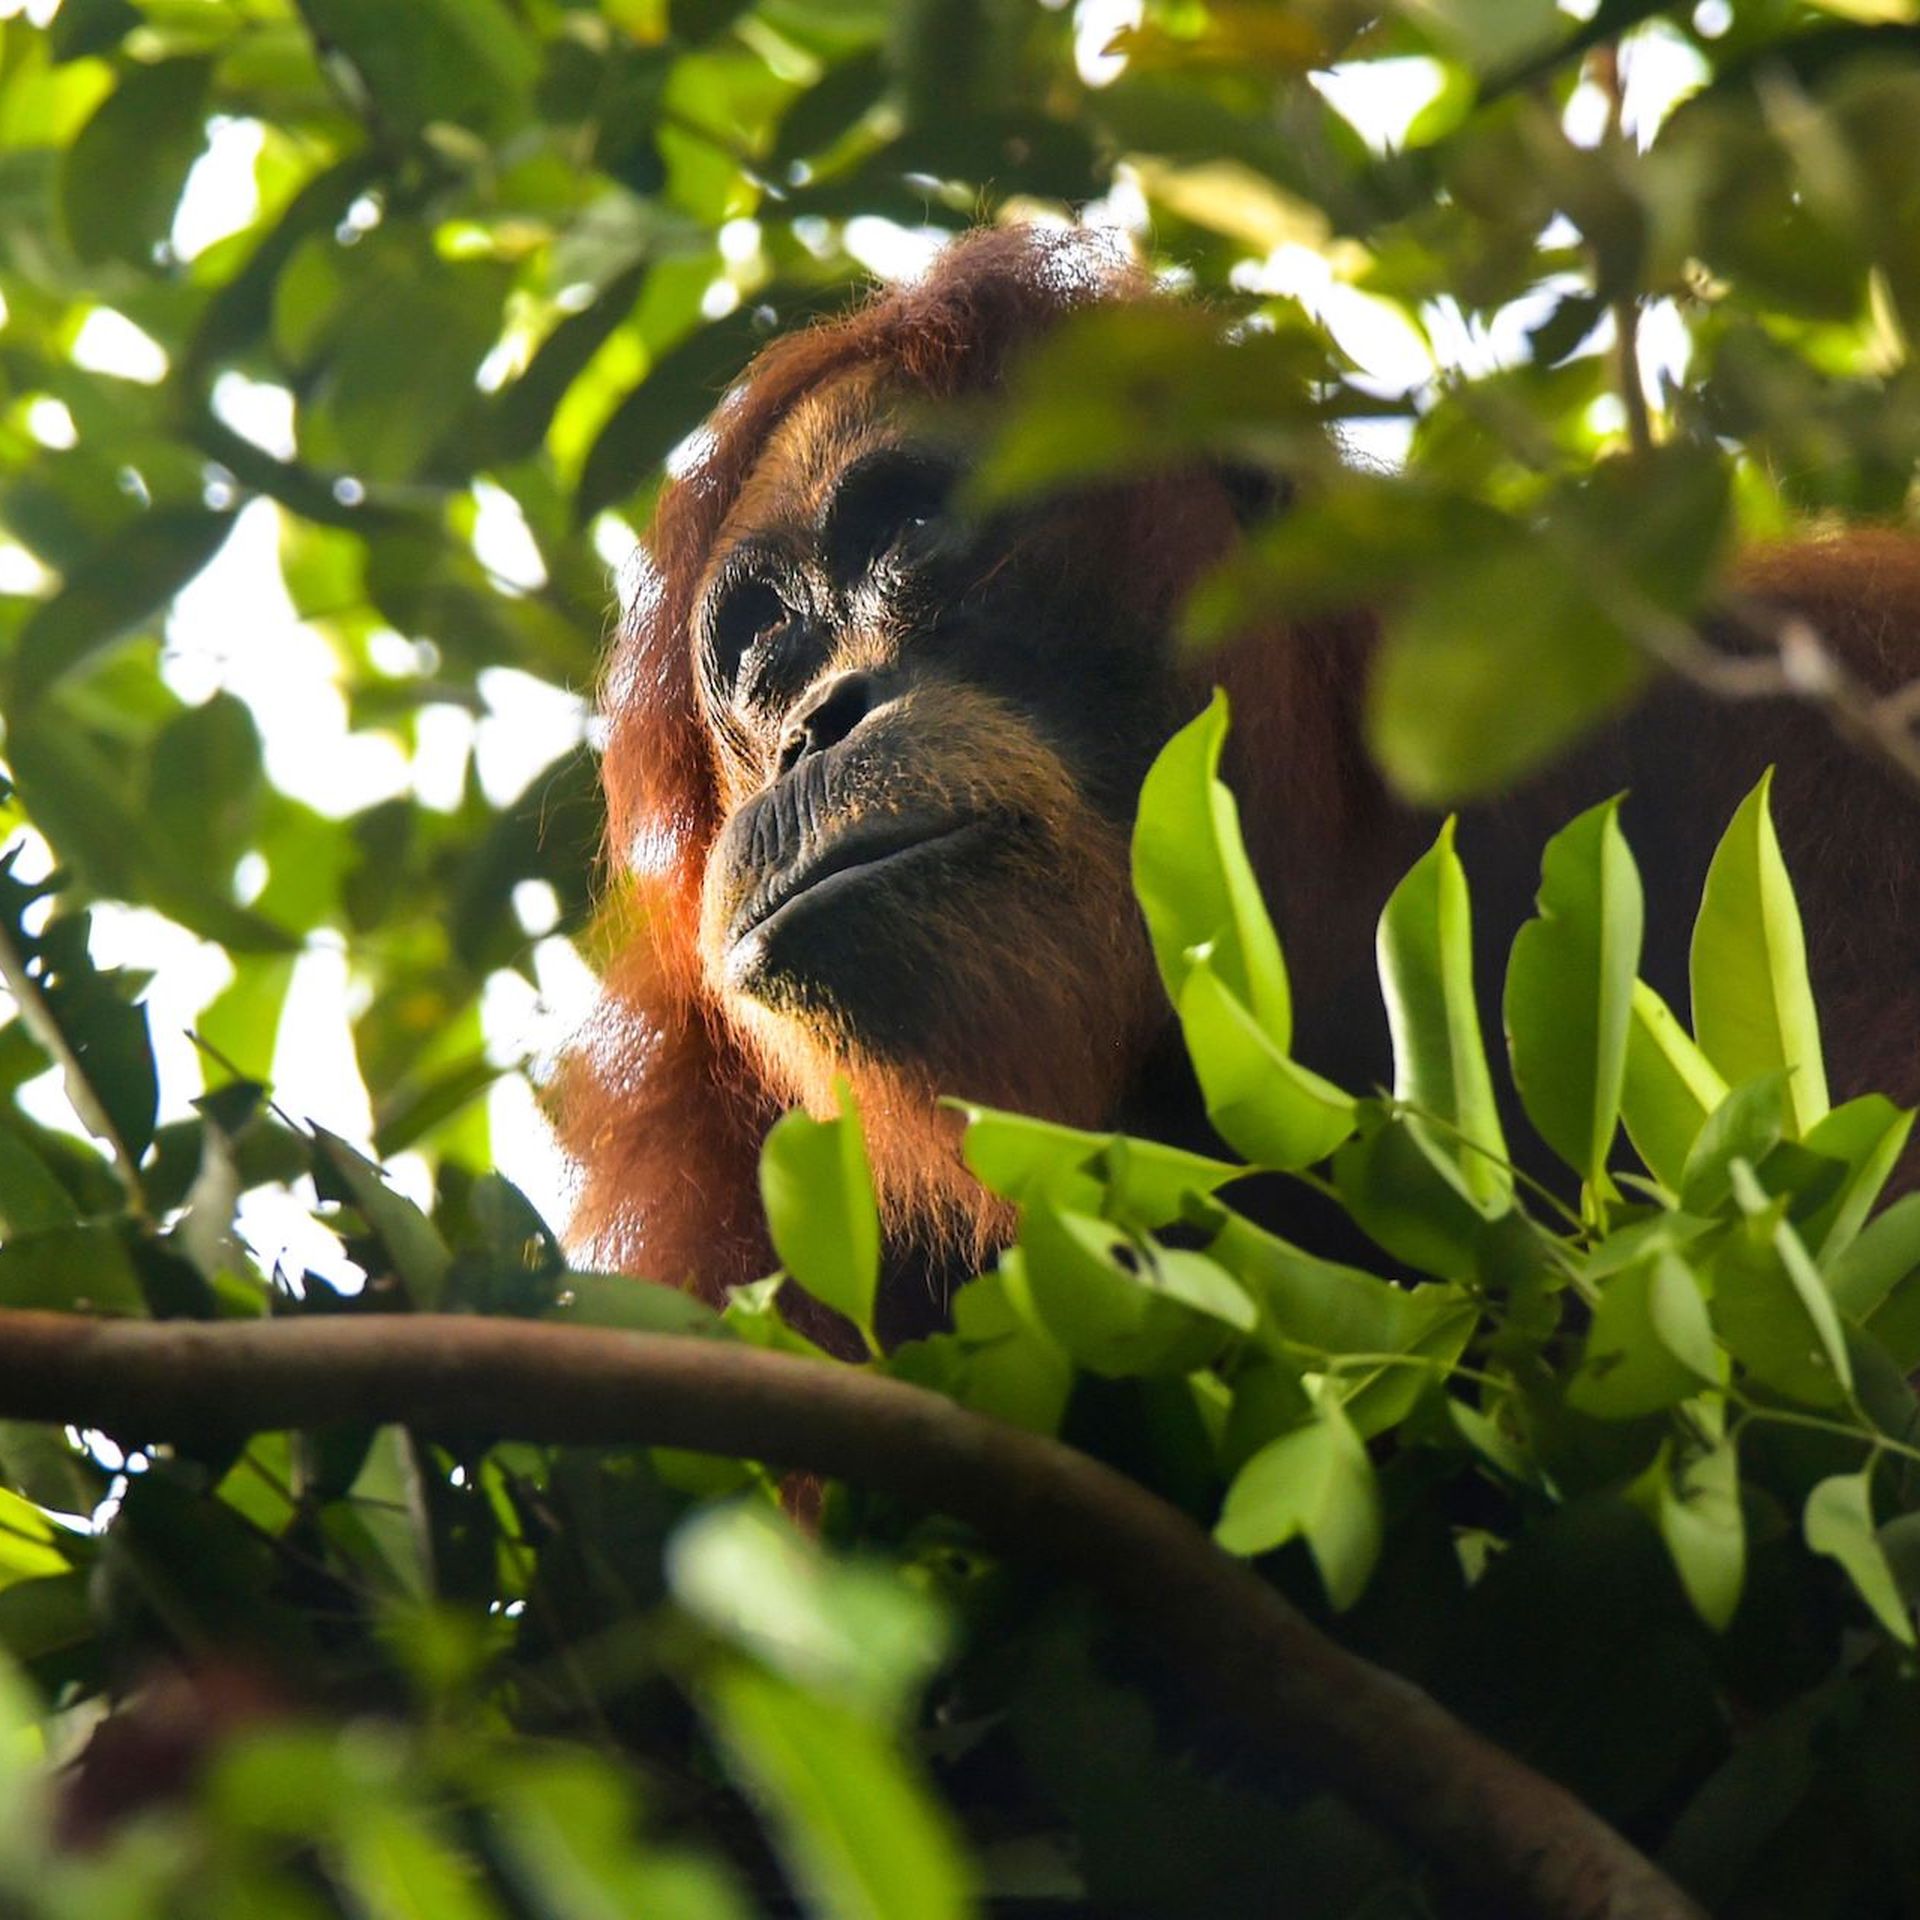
1489,1821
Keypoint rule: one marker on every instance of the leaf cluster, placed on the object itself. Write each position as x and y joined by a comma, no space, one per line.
1599,1426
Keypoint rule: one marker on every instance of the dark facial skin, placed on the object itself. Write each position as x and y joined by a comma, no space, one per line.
927,729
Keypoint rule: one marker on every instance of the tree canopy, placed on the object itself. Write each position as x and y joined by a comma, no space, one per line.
345,345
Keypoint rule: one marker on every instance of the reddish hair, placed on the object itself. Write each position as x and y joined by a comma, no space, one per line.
659,1103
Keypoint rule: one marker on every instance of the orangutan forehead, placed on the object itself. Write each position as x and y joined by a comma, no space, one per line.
801,464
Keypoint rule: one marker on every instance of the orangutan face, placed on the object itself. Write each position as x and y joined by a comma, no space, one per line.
930,738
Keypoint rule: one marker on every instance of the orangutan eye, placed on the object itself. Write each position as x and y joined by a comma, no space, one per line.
749,615
881,506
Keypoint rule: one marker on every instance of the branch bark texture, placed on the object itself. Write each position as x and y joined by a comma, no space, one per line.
1491,1823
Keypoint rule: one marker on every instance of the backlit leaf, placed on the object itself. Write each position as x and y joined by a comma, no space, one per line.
818,1194
1669,1090
1569,991
1753,1010
1194,882
1425,949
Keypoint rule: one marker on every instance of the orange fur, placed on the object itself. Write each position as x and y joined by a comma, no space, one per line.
666,1099
667,1096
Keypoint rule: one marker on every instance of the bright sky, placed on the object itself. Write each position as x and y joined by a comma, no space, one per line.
235,628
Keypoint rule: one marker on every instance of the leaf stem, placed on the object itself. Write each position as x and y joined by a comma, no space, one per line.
1869,1437
1453,1369
1539,1189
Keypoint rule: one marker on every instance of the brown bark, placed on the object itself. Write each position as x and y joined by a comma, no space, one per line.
1489,1821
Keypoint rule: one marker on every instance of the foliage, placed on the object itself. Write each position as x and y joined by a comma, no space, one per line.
1622,1468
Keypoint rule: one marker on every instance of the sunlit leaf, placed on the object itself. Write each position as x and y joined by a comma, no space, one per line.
818,1194
148,563
1669,1090
1753,1010
1119,1306
1265,1105
1018,1157
844,1628
1194,882
1570,989
1868,1136
1425,949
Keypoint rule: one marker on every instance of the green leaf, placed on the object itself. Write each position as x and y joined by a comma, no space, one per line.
1570,990
462,60
679,391
108,1065
41,1619
859,1833
1148,1183
1321,1304
752,1314
1838,1522
117,590
84,27
818,1193
1753,1010
1276,1112
1491,35
841,1627
1867,1136
1770,1307
380,1526
397,1862
1010,1369
837,102
410,1240
31,1199
525,409
1125,388
1410,1198
1195,884
1650,1345
1317,1483
1498,660
633,1305
1122,1307
1670,1089
76,1269
77,796
1336,1311
120,181
1697,1511
1425,948
27,1544
380,408
1885,1253
1746,1125
204,781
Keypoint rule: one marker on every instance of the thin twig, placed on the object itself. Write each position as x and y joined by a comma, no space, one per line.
1626,307
1525,1844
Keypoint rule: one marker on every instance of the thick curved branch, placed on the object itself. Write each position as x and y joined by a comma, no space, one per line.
1489,1821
